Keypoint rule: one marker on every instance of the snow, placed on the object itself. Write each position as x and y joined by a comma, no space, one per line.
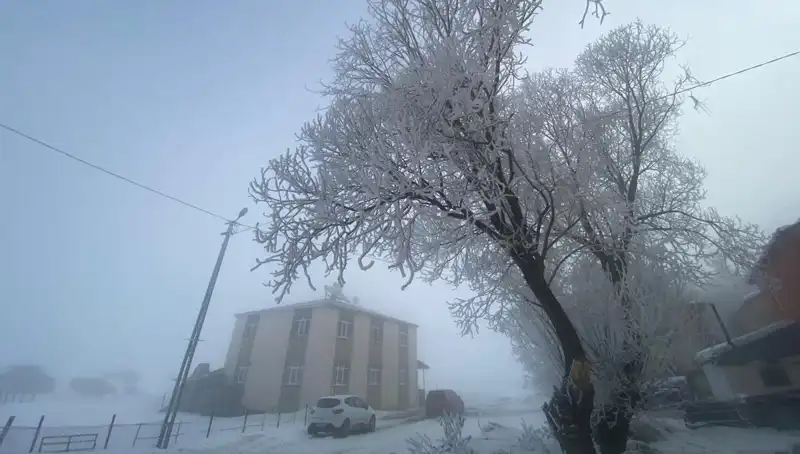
709,354
497,426
722,440
136,426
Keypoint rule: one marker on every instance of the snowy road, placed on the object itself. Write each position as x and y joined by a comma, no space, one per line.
386,440
392,440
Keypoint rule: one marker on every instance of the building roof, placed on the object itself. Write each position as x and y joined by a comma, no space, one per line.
337,304
772,342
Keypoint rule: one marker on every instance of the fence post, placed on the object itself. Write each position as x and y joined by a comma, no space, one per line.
210,421
6,428
136,437
110,428
305,416
278,424
36,434
264,420
246,414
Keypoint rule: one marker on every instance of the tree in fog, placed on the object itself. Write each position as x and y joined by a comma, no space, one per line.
638,220
434,155
92,386
425,157
23,380
128,378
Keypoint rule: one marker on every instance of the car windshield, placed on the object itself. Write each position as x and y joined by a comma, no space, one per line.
328,402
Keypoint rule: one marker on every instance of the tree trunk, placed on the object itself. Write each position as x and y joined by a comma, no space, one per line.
613,426
569,410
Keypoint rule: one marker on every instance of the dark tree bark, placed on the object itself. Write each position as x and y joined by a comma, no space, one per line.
569,410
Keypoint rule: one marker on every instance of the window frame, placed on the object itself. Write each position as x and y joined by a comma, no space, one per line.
402,340
250,328
303,322
348,328
377,372
402,377
240,374
376,334
344,369
298,375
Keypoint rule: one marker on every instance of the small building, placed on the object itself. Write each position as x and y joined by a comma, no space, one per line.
756,371
289,356
777,277
763,362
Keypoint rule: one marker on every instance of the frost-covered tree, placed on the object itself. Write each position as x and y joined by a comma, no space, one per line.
426,157
638,208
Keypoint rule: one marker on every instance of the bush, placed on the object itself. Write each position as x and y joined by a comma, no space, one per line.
92,386
494,439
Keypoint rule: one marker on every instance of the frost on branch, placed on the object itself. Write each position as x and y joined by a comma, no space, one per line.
452,442
424,156
638,235
493,439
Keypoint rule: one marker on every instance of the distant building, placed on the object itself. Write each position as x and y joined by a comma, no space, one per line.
288,356
777,277
763,355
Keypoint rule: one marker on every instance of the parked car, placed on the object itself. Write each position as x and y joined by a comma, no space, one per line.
668,392
341,415
441,401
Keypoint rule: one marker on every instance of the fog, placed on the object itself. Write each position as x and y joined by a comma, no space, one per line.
192,98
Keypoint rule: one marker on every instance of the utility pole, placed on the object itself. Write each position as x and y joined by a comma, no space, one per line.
183,373
722,325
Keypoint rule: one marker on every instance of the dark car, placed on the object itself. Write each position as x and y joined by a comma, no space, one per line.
443,401
668,392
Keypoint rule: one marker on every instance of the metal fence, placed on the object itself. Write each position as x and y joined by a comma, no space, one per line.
19,439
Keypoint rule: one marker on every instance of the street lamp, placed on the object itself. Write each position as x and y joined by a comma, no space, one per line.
174,401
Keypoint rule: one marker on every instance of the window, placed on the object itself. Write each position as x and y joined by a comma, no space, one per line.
240,375
356,402
377,334
294,375
773,376
344,329
340,375
402,381
374,377
250,327
328,402
403,339
300,327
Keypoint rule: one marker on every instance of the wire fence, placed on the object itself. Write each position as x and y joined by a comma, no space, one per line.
19,439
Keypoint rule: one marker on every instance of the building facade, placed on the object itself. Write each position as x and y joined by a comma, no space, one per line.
778,296
763,355
289,356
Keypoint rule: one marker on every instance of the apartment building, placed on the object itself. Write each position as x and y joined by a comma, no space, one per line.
288,356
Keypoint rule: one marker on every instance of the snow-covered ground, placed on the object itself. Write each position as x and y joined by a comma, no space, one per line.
496,424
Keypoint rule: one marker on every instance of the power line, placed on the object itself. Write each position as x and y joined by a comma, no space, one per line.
109,172
211,213
707,83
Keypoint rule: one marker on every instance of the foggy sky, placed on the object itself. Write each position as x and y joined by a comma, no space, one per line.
192,97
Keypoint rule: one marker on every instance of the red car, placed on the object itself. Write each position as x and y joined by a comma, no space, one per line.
442,401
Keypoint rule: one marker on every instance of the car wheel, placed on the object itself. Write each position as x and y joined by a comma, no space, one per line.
344,431
372,424
312,430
